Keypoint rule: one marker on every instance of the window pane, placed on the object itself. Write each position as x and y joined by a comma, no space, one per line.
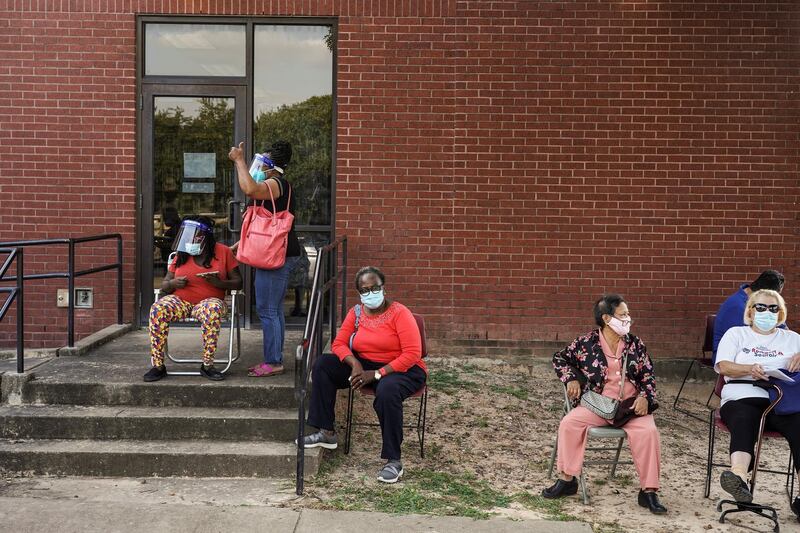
194,50
293,102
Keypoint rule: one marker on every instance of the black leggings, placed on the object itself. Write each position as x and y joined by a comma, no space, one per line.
743,417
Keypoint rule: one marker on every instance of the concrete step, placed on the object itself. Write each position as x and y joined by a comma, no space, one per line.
157,423
139,458
275,392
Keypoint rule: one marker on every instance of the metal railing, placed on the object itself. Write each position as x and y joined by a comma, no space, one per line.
15,294
326,275
71,274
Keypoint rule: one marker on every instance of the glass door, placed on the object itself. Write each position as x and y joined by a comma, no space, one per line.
187,133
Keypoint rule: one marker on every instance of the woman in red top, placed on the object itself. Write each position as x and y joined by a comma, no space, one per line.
195,286
384,349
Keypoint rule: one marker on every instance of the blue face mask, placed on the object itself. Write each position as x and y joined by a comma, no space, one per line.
192,248
765,320
259,176
371,300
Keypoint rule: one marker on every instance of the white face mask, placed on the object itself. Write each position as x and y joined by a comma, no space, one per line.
193,248
620,327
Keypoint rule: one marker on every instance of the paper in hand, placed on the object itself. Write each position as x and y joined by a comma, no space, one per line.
777,373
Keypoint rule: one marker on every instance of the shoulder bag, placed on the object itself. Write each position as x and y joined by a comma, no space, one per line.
265,235
603,406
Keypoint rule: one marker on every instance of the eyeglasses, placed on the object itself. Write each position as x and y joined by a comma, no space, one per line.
774,308
375,289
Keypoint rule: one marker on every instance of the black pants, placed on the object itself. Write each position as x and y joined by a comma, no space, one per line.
330,374
743,417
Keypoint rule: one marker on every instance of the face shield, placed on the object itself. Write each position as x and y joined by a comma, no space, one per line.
191,237
260,164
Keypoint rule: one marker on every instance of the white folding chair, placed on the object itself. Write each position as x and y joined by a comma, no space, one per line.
606,432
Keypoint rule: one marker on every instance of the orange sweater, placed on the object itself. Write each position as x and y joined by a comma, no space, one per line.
391,337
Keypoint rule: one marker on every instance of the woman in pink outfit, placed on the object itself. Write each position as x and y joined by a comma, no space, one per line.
594,362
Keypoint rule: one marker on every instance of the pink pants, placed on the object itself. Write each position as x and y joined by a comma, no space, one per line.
642,438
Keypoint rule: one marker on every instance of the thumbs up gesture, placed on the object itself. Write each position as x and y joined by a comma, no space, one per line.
237,152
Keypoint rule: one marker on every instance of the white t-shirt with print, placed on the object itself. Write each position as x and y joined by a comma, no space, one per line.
744,346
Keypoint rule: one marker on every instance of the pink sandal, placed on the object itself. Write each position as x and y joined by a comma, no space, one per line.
263,370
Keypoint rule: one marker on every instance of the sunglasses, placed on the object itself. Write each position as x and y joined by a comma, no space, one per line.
774,308
374,290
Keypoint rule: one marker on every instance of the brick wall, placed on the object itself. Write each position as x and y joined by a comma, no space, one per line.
505,162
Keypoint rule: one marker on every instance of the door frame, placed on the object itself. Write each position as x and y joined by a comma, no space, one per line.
146,182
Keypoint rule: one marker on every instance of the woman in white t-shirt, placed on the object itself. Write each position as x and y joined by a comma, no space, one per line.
746,353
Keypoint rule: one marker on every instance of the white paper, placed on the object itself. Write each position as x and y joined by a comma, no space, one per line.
777,374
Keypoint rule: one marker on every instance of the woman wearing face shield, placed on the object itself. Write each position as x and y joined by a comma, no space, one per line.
262,181
199,272
379,344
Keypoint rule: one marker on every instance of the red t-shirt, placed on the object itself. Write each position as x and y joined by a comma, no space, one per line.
198,289
391,337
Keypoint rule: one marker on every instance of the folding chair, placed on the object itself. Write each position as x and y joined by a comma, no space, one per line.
369,390
606,432
704,361
715,422
234,314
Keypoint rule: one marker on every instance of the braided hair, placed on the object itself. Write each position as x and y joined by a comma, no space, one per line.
280,152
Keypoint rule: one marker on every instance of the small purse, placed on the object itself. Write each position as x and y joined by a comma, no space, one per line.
603,406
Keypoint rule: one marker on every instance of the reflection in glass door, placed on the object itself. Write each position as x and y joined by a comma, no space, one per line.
190,174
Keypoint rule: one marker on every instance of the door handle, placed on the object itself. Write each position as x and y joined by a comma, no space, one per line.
234,218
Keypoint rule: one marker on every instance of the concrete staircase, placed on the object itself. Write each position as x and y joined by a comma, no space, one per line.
92,415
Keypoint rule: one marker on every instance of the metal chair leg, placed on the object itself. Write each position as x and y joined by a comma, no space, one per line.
584,492
349,427
680,390
616,458
712,436
553,457
423,407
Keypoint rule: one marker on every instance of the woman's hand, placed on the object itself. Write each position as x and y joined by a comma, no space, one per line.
214,279
640,406
356,370
794,363
237,152
234,247
757,372
366,377
573,389
179,282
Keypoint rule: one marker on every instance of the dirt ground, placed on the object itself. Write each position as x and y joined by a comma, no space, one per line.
490,435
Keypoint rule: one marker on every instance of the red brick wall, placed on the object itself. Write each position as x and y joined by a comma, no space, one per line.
505,162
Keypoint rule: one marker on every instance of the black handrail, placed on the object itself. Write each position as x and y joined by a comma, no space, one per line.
15,294
71,274
325,280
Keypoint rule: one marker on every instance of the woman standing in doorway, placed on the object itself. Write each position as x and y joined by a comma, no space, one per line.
270,285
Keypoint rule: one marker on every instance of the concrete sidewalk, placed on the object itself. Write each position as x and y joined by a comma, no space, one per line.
156,505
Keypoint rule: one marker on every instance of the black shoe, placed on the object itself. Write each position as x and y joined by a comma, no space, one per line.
211,373
155,373
735,486
796,508
650,500
561,488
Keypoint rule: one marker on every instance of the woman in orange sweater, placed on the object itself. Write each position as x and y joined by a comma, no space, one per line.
379,344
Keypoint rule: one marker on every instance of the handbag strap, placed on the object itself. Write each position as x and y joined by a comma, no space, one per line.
357,311
272,198
623,372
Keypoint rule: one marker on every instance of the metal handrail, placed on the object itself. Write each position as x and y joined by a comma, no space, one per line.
324,284
71,274
15,294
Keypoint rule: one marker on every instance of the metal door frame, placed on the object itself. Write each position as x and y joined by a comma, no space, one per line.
146,175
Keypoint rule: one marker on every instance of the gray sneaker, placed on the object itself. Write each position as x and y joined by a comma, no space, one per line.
320,440
391,472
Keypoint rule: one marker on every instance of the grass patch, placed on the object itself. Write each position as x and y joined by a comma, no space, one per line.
422,492
450,381
516,392
552,508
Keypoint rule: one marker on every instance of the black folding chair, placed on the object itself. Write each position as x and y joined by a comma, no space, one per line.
704,361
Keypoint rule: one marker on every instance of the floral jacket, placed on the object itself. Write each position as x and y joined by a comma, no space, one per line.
584,360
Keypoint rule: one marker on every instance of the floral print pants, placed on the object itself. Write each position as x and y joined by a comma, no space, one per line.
170,308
